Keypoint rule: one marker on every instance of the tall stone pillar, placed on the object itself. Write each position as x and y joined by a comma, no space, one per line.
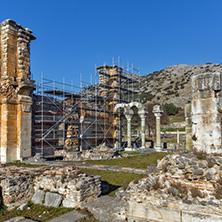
143,113
206,112
129,115
158,111
188,127
15,91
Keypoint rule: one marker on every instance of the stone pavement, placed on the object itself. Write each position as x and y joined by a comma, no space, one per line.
105,167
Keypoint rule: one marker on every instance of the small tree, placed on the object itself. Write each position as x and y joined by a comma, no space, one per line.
171,109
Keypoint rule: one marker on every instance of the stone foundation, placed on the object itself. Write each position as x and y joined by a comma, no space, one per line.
18,184
188,187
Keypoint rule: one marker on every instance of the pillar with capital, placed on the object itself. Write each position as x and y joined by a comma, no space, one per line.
158,111
143,113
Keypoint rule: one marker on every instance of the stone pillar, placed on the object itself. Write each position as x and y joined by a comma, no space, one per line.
15,91
188,128
158,111
143,113
206,112
129,115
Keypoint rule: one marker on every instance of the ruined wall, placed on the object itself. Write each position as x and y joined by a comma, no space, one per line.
206,112
15,89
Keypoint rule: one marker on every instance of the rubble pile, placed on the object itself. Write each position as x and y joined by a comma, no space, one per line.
75,187
183,182
100,152
19,184
16,183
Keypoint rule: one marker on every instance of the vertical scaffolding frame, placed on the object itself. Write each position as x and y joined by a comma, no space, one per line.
97,122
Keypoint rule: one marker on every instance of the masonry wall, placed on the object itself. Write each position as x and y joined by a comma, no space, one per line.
15,91
206,112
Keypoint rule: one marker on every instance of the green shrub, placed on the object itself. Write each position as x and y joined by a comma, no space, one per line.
171,109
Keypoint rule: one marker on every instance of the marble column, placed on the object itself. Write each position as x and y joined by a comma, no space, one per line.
158,111
143,113
129,115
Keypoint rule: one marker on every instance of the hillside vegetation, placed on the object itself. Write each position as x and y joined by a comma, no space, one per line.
173,84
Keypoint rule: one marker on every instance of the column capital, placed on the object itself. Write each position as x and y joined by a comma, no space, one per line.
158,111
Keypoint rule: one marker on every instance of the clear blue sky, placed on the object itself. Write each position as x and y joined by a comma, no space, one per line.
73,36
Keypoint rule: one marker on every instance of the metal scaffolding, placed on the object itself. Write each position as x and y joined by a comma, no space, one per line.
72,118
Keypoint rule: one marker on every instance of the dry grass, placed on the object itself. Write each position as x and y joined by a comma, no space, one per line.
114,179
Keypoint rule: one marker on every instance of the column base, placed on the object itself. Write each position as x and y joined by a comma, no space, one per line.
158,149
142,147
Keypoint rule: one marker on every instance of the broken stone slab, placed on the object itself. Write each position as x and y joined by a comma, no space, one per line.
106,209
23,206
53,199
69,217
38,197
20,219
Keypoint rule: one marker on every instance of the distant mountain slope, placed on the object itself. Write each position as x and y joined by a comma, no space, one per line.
173,84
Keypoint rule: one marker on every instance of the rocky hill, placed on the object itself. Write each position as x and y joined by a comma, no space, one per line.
173,84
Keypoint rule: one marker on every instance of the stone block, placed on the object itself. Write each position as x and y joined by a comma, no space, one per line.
38,197
53,199
200,217
152,213
69,204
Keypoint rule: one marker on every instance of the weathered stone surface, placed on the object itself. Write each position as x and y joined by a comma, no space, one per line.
15,89
23,206
164,196
17,184
69,204
52,199
107,209
206,116
20,219
69,217
74,185
148,212
38,197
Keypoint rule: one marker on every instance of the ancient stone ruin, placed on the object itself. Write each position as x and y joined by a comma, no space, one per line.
184,189
70,185
15,91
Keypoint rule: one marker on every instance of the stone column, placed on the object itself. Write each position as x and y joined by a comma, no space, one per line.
143,113
158,111
188,127
129,115
178,137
